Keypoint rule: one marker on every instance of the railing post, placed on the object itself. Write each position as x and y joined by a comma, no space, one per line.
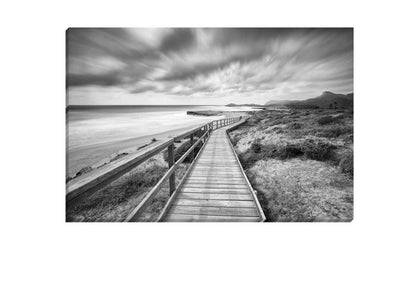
171,163
192,142
206,130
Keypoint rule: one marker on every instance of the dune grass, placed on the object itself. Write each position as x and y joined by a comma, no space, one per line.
300,162
114,202
302,190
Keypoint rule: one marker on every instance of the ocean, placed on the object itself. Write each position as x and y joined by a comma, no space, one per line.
91,127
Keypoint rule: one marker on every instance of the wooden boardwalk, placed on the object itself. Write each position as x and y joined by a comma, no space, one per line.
215,189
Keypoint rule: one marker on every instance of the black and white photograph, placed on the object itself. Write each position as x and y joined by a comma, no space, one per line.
209,124
207,140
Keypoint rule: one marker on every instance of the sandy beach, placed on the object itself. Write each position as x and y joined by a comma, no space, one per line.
99,154
96,155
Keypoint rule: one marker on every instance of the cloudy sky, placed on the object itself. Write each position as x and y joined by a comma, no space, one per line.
206,66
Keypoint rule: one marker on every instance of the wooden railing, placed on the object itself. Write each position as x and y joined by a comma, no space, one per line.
87,184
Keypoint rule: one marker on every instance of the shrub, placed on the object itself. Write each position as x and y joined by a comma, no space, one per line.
294,126
330,119
276,122
301,106
249,158
336,131
252,121
349,138
235,139
284,151
347,164
317,150
277,130
256,146
83,171
325,120
258,151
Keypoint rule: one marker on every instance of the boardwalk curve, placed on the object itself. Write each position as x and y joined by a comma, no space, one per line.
215,189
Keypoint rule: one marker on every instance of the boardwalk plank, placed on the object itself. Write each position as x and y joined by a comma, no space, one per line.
214,211
240,197
217,176
204,218
204,185
215,203
215,190
213,182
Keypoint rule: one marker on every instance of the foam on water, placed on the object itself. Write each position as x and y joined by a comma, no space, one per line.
89,126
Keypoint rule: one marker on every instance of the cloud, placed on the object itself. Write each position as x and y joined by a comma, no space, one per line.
143,89
107,79
179,39
219,64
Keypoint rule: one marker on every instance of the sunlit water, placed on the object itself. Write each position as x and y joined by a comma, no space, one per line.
88,126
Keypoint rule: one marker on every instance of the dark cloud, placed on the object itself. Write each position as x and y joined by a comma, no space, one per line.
108,79
143,89
227,36
179,39
93,42
211,62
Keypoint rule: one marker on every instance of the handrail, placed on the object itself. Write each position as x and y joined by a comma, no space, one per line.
252,191
152,193
87,184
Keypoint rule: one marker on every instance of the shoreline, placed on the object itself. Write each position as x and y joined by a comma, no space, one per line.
95,155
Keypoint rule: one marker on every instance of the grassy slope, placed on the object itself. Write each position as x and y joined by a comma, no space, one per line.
117,200
300,162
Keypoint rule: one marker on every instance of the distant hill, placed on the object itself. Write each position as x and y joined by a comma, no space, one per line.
246,104
326,100
279,102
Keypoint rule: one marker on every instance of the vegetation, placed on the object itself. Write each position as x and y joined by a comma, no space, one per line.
301,190
116,201
317,150
300,161
325,120
347,164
